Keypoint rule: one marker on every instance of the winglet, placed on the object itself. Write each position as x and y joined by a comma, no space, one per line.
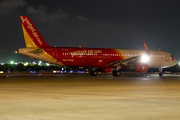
146,48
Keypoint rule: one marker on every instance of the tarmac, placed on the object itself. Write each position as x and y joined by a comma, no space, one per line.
83,97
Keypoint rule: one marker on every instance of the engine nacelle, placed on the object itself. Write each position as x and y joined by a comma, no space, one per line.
141,68
106,70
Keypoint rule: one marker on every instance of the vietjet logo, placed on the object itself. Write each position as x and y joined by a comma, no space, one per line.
80,53
32,29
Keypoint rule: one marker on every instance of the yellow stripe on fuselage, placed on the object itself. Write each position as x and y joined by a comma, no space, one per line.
45,54
122,56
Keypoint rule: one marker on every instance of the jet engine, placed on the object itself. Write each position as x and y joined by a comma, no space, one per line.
141,68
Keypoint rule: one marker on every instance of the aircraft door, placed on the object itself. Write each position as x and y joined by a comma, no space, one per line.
167,58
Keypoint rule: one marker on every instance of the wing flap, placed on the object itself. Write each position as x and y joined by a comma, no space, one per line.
125,61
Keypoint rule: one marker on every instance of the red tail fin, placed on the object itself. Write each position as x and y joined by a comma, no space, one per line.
146,48
31,35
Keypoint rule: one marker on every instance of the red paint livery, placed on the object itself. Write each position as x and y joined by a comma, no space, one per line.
84,57
96,58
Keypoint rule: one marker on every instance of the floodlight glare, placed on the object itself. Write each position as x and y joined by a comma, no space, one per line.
144,58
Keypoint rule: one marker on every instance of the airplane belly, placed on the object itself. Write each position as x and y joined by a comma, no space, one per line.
157,63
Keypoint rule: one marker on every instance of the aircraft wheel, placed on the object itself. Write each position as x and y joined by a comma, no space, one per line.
116,73
160,74
94,73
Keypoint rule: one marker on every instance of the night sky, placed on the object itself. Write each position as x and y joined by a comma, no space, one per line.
122,24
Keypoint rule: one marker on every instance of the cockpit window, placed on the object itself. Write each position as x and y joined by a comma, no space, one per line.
172,56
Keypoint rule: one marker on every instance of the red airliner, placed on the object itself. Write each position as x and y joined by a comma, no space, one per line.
96,58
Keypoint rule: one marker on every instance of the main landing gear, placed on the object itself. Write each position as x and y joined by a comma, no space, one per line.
117,71
94,72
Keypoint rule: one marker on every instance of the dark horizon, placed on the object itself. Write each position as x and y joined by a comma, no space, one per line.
121,24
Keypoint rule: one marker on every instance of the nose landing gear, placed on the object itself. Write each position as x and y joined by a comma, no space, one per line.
160,72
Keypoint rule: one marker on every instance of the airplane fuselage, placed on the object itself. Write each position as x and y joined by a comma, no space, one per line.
95,57
103,58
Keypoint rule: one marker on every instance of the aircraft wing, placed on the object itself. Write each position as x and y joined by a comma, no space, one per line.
129,61
125,61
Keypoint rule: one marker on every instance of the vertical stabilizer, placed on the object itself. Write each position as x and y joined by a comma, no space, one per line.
146,48
31,35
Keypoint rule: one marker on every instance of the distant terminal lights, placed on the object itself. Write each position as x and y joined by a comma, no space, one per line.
26,63
2,63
